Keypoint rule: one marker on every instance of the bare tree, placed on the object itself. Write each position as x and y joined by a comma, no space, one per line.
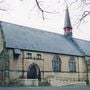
85,4
68,2
43,10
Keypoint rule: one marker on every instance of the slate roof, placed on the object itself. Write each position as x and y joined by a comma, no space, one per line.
26,38
84,46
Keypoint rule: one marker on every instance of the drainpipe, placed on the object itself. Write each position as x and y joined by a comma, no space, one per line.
22,64
43,70
78,69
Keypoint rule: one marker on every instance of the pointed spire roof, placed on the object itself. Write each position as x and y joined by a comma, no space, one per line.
67,22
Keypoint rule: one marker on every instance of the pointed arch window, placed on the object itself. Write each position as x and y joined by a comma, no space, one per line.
72,64
56,64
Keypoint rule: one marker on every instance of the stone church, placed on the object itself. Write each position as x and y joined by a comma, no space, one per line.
30,56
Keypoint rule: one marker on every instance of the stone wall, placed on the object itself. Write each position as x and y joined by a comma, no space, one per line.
45,64
28,82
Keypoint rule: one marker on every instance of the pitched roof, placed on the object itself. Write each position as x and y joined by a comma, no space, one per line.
84,46
27,38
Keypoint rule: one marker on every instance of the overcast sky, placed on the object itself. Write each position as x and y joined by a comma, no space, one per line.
26,13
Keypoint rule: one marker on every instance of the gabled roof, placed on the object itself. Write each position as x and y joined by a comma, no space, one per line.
26,38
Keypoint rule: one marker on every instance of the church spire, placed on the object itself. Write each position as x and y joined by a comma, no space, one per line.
67,24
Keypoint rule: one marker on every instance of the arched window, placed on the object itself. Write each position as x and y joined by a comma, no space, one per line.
56,63
72,64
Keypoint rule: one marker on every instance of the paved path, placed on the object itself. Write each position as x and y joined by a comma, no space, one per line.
47,88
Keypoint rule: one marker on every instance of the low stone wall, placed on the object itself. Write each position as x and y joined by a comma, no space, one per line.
51,81
28,82
54,82
89,77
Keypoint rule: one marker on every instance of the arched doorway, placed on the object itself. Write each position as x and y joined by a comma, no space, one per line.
34,72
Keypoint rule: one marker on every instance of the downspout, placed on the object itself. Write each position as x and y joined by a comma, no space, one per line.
78,69
22,64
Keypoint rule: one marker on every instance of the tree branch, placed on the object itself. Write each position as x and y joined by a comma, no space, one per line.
73,3
80,20
85,14
42,11
85,2
70,3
